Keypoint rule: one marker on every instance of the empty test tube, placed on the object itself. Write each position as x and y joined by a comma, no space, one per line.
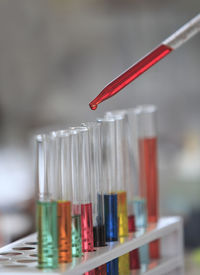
46,206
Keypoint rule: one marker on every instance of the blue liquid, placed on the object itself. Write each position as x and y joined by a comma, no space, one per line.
140,212
111,220
112,267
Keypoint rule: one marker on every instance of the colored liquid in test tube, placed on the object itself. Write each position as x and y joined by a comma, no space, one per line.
46,210
134,254
124,265
76,236
148,166
111,220
87,227
76,200
62,164
108,182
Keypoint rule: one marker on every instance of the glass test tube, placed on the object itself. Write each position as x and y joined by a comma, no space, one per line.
85,189
97,188
64,194
139,202
130,179
108,181
120,186
76,200
147,138
46,207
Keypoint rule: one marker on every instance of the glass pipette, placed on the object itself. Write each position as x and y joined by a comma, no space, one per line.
173,42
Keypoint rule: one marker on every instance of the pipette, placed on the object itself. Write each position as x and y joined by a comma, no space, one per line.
173,42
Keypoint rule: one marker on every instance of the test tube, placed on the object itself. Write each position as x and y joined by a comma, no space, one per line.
130,178
76,200
46,206
120,186
139,188
85,189
147,135
64,194
108,182
97,188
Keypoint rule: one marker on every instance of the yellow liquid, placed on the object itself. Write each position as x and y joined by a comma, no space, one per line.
122,214
124,267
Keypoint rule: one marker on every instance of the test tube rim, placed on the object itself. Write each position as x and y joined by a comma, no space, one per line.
144,109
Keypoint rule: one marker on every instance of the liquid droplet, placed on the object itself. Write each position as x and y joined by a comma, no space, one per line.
93,107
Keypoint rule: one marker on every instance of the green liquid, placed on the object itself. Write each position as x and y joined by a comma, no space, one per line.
76,236
47,234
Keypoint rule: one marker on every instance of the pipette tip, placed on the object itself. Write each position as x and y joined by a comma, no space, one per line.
93,106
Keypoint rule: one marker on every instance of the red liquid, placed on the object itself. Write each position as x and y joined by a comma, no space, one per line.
134,254
132,73
149,183
91,272
87,228
101,270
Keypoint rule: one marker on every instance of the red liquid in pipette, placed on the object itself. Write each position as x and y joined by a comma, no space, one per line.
132,73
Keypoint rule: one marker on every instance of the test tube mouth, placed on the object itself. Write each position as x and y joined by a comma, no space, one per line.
144,109
105,119
63,133
51,135
116,113
40,137
78,129
89,125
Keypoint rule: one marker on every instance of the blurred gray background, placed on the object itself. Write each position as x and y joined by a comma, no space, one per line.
56,56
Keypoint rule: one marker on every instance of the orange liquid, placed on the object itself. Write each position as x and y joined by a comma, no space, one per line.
64,232
149,184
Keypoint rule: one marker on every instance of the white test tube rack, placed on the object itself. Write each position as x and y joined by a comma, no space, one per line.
20,257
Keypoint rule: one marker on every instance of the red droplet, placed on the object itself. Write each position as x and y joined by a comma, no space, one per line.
93,107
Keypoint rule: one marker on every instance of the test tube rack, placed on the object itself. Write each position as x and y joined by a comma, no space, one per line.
20,257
